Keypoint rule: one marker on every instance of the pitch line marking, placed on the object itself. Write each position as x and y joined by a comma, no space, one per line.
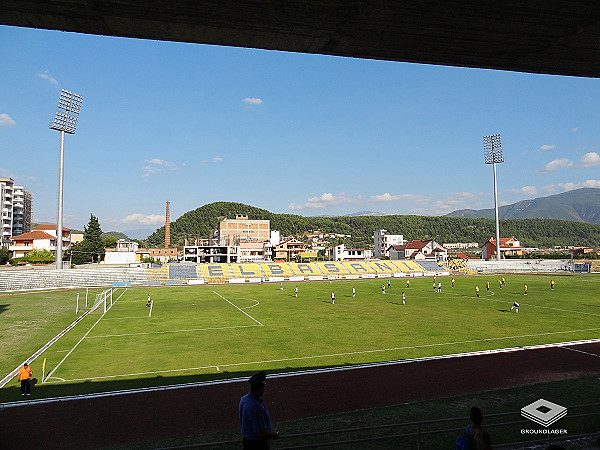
251,299
238,308
581,351
300,358
171,331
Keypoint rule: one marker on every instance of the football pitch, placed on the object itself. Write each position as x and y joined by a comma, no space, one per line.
198,333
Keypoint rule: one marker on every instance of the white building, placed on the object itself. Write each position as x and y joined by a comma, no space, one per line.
419,250
6,202
382,242
42,237
341,253
22,210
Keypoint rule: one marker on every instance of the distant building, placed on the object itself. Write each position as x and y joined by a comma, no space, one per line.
211,253
382,242
419,250
164,255
234,231
42,237
341,253
508,247
22,210
288,250
455,245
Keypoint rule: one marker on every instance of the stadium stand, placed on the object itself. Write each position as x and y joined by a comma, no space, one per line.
160,274
407,266
214,272
182,271
276,270
358,268
383,267
431,266
332,269
306,269
13,280
246,271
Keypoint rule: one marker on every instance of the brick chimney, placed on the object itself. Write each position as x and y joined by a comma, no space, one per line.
167,229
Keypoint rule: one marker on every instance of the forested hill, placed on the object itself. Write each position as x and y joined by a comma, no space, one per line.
545,233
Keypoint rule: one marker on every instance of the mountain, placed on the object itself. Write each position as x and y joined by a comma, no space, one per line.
579,205
201,223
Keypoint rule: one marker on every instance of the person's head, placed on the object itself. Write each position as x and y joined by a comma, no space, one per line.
25,365
257,383
476,415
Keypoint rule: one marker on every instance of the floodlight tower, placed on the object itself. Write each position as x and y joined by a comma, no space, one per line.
492,145
65,121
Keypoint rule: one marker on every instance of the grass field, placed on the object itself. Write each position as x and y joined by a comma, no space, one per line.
210,332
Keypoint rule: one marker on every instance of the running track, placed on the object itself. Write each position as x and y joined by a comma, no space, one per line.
92,422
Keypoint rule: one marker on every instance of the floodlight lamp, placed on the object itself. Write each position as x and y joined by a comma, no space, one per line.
67,110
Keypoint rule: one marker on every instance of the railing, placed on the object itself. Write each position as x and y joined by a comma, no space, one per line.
420,430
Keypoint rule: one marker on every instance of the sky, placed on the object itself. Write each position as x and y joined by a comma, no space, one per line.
291,133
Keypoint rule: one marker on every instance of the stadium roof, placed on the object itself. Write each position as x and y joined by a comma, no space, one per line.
550,36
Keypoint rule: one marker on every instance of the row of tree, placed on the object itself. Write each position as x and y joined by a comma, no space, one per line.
541,233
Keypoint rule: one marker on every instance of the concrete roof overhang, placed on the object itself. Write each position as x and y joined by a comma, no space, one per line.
550,36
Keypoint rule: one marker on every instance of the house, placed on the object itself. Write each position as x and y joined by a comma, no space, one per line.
508,247
420,250
288,250
341,253
382,242
42,237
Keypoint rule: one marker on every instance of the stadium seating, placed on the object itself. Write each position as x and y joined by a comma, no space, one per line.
246,270
182,271
383,267
407,266
431,266
276,269
357,267
305,269
332,268
211,272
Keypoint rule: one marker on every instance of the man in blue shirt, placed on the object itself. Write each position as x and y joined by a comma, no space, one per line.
254,417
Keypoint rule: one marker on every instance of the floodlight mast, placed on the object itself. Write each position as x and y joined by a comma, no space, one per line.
492,145
65,121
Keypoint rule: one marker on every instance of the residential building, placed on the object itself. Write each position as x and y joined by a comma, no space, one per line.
341,253
508,247
211,253
164,255
42,237
382,242
288,250
6,206
457,245
22,210
240,229
419,250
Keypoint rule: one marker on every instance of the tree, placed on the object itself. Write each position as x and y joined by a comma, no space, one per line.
92,233
4,255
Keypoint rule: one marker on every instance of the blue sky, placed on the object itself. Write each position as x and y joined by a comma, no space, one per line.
291,133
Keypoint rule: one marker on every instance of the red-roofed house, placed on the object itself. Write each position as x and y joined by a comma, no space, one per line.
42,237
418,249
508,247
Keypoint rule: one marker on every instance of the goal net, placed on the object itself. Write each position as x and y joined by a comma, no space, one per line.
103,301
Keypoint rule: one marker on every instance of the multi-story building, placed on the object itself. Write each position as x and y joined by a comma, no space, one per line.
419,249
241,229
382,242
22,210
6,206
15,206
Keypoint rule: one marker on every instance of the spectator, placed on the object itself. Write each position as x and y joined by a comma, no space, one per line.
254,417
479,436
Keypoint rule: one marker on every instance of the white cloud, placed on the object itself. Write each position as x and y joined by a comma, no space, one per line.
137,218
584,184
574,130
526,190
557,164
548,188
6,120
546,147
253,101
325,200
589,159
157,165
217,159
47,77
387,197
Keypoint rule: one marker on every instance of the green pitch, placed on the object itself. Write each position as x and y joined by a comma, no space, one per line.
221,331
